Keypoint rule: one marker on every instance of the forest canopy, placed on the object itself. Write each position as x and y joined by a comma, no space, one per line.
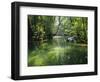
71,30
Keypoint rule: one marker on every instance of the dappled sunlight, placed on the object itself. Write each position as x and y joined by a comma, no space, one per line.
39,61
58,50
57,40
55,55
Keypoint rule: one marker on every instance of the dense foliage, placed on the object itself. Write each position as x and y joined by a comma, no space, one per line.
42,30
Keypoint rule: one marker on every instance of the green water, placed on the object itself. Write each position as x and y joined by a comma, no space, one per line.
57,52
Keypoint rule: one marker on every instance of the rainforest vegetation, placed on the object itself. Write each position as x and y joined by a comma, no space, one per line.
57,40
